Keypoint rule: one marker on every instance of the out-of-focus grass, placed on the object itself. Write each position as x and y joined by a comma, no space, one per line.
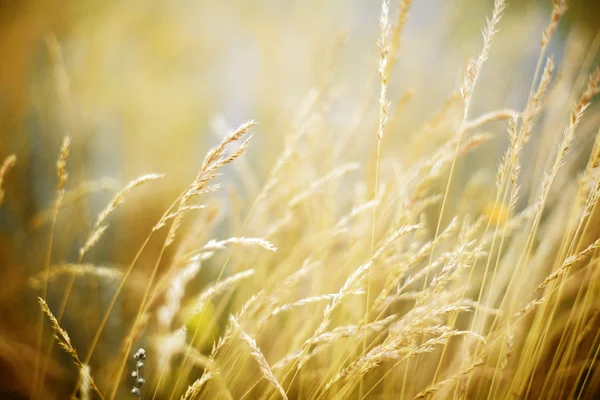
489,290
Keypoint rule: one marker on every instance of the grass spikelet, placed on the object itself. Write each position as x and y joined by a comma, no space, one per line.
337,333
75,269
245,241
62,176
220,287
357,276
84,382
195,388
7,165
564,268
423,252
384,49
592,88
64,342
174,294
321,182
353,280
61,164
307,300
119,198
356,211
60,334
213,155
351,330
212,162
474,66
396,34
92,240
483,119
433,389
530,306
558,9
260,358
510,340
398,347
184,210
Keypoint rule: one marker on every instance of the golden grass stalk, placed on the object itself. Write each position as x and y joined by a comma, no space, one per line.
219,287
119,198
358,275
483,119
593,88
85,382
433,389
520,136
593,163
308,300
64,342
530,306
355,212
353,280
355,330
194,389
399,346
213,160
444,158
558,9
92,240
7,165
61,164
184,210
510,341
396,34
566,265
214,155
384,48
74,269
62,176
384,69
260,358
474,66
175,292
398,273
245,241
321,182
345,331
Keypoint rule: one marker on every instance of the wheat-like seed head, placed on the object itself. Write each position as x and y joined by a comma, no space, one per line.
194,389
260,358
77,270
7,165
64,342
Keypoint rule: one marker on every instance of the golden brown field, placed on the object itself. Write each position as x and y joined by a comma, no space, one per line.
310,200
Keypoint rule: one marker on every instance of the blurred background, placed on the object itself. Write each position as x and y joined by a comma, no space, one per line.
145,86
148,86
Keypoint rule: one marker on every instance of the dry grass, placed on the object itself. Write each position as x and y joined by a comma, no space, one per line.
382,238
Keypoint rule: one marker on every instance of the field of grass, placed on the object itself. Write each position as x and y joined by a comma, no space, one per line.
302,200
